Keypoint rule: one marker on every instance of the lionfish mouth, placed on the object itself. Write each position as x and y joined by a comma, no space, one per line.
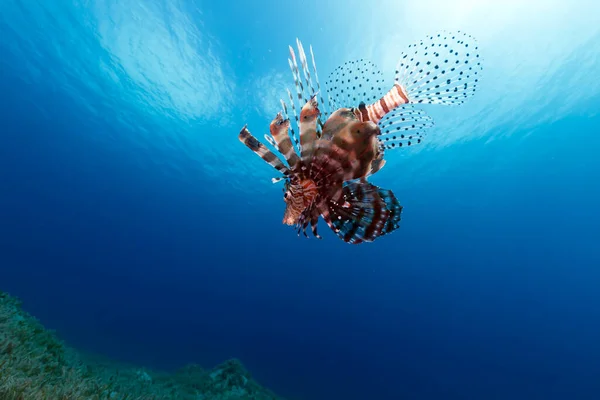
290,217
290,221
299,197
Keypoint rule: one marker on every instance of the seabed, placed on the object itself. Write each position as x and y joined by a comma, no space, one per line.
35,364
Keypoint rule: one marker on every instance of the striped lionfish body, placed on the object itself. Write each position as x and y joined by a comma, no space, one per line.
326,168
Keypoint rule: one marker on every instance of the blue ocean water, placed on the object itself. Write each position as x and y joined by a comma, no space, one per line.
134,223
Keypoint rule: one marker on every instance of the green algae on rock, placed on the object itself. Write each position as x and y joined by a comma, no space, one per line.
35,364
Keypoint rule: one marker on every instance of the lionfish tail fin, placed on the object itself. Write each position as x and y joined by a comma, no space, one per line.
364,213
441,69
262,151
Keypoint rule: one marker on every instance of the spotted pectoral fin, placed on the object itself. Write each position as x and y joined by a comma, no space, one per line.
355,82
443,68
405,126
364,213
262,151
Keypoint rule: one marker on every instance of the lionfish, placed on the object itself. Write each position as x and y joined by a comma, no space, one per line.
341,145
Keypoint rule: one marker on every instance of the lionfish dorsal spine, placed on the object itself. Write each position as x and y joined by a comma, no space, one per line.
308,77
307,90
296,73
296,119
305,70
272,142
326,110
293,136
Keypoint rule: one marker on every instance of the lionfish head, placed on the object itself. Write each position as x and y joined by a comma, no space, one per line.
298,195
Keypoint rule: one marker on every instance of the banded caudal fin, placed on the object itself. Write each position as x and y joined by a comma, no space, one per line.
279,129
441,69
444,68
365,213
262,151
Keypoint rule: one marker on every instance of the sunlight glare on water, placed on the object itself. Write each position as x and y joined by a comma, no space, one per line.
532,52
167,55
167,76
134,221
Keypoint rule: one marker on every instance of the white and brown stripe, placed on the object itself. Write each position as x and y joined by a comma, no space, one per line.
299,197
279,129
395,97
308,128
262,151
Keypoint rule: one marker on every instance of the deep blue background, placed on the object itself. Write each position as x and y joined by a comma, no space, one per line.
489,290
